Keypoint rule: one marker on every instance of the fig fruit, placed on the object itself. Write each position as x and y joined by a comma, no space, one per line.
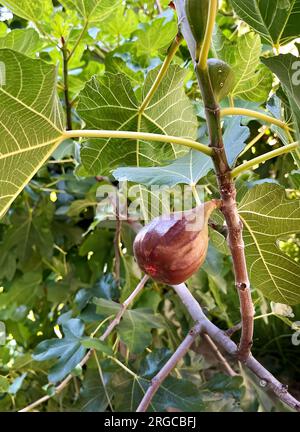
171,248
221,77
197,15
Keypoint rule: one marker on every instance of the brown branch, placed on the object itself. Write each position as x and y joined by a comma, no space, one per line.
231,331
219,356
223,341
105,335
124,307
228,194
168,367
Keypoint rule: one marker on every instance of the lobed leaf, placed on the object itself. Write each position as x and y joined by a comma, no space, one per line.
268,216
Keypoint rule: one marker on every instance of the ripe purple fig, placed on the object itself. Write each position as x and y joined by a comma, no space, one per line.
172,248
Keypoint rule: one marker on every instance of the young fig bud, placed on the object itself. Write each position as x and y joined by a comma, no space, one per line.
197,15
221,77
171,248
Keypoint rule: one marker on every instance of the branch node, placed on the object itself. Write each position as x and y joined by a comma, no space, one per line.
215,110
242,286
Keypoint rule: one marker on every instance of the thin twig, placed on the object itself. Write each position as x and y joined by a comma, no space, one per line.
124,307
168,367
59,388
110,328
231,331
265,157
254,141
82,33
162,72
219,356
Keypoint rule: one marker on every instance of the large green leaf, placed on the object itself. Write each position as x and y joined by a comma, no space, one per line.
176,394
68,350
121,23
24,292
268,216
93,395
109,102
25,41
235,137
286,67
92,11
28,236
253,81
31,122
277,21
186,170
154,36
32,10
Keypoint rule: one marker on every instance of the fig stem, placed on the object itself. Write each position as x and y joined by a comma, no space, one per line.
263,158
161,74
252,113
139,136
212,13
254,141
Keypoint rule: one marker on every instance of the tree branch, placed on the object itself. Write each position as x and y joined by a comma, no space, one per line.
139,136
268,381
123,308
229,208
168,367
219,356
59,388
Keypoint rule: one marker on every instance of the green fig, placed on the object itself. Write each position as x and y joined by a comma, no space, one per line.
197,15
221,77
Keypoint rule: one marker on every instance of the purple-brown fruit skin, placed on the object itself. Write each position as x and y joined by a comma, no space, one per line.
171,249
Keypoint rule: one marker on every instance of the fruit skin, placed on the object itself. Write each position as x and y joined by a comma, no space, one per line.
197,15
171,248
221,77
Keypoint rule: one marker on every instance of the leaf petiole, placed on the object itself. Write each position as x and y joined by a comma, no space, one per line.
263,158
256,114
139,136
